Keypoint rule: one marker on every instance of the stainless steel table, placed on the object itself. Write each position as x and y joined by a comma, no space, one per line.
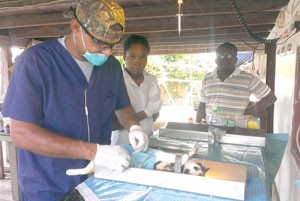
262,166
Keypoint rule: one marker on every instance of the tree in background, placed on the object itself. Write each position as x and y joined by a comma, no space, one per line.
180,76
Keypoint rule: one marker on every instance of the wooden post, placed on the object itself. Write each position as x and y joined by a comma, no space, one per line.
1,162
14,171
4,44
13,166
270,81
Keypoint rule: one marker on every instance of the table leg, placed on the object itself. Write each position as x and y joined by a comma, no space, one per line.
14,171
1,162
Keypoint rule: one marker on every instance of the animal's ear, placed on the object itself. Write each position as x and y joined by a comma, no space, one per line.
205,169
185,171
164,166
155,165
171,167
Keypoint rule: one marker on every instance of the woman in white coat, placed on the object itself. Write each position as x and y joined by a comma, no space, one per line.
142,87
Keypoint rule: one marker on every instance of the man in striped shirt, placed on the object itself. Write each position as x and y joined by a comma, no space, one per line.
228,89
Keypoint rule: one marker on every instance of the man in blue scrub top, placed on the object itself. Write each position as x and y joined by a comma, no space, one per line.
62,99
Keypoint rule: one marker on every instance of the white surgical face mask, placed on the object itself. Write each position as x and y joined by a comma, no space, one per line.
97,59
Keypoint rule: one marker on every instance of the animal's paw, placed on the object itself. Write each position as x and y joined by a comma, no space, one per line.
192,152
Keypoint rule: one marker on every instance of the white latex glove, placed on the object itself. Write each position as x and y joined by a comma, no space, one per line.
108,157
138,138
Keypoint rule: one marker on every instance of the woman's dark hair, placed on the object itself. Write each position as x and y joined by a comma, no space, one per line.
135,39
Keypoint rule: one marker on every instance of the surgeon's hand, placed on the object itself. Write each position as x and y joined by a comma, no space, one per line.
138,138
108,158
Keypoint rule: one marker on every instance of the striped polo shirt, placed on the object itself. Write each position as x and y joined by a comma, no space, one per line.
231,95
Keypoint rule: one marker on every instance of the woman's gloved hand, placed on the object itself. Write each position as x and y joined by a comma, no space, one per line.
108,157
138,138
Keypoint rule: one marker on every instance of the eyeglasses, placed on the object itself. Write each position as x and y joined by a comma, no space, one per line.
229,56
97,41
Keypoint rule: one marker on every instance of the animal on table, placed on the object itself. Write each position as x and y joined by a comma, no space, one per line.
191,166
155,159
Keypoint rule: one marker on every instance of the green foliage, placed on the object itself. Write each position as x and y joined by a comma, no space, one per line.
154,69
121,60
172,58
185,73
177,71
178,67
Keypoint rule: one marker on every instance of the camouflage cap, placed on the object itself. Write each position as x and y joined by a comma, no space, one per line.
98,16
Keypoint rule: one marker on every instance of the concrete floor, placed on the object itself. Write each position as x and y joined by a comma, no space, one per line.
5,187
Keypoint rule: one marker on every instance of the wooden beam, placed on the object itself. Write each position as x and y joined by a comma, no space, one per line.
61,30
149,27
201,39
32,20
2,174
196,8
30,3
142,9
191,48
158,25
208,31
20,8
4,40
40,32
197,22
205,21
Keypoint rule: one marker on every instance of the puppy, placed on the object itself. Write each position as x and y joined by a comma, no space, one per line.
194,167
190,166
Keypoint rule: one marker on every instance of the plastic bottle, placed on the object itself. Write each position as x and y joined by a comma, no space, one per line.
216,119
253,122
230,122
247,121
